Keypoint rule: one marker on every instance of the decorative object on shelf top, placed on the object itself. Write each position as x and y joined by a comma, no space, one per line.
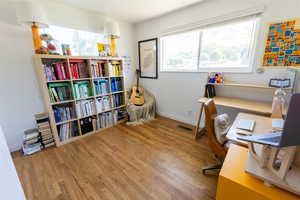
112,31
49,47
31,12
215,77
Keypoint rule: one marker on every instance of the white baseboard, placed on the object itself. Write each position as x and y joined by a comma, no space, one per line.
177,118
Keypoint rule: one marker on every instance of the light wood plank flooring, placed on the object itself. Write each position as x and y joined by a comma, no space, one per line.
153,161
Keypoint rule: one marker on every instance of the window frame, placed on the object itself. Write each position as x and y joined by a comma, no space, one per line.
253,45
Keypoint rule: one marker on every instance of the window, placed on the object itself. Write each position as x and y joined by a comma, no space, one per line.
227,47
82,43
180,51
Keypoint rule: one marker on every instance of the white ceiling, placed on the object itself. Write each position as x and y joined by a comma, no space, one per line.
132,10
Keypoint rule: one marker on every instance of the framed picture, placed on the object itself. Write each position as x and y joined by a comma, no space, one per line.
148,58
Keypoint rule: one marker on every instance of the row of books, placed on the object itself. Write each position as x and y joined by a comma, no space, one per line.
116,84
79,69
56,71
59,92
87,125
101,86
106,119
85,107
63,113
43,124
98,69
31,141
115,68
68,130
103,104
82,89
117,100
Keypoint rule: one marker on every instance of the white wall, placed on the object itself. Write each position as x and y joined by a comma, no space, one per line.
20,96
177,93
10,187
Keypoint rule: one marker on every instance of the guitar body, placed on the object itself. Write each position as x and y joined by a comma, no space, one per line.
137,96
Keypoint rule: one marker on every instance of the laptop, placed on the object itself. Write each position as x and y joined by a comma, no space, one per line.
290,135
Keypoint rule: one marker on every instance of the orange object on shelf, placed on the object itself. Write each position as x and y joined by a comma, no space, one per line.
37,42
235,183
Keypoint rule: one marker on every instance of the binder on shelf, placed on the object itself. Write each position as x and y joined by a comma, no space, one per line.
82,89
79,68
60,92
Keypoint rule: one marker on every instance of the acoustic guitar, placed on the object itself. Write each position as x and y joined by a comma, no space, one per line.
137,94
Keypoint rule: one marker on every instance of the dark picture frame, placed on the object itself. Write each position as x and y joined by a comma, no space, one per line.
148,58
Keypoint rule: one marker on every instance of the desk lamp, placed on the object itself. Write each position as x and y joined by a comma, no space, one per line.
112,31
30,12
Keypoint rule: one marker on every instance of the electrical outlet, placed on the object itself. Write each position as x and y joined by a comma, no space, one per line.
189,112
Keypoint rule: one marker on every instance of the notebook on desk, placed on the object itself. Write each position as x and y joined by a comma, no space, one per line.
246,124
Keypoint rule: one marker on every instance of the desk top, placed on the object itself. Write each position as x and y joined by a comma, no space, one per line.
250,105
234,181
262,125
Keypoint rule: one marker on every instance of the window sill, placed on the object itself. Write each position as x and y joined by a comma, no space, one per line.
206,70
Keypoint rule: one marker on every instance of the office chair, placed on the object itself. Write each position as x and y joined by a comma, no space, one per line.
218,149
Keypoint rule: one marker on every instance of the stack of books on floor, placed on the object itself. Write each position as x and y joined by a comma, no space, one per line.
56,71
63,113
117,100
101,86
31,142
103,104
68,130
105,120
43,124
85,108
116,84
115,68
98,68
82,89
78,69
59,92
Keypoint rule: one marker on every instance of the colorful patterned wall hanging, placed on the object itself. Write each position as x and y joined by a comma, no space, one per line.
283,45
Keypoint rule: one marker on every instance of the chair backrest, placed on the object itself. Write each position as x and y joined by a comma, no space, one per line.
210,114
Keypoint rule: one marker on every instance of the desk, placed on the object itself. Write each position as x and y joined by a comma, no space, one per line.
264,108
234,183
262,125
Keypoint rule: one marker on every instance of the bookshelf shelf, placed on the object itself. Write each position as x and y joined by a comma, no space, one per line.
62,102
101,95
82,79
84,98
58,81
66,121
74,77
117,92
86,116
119,107
101,77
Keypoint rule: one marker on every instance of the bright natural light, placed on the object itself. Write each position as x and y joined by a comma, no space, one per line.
82,43
180,52
218,47
228,45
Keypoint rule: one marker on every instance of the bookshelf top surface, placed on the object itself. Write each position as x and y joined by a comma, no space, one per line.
76,57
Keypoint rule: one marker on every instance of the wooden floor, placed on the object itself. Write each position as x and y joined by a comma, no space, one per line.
153,161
